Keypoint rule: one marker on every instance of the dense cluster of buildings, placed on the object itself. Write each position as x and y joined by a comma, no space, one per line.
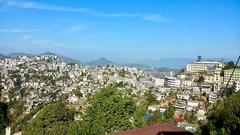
197,89
46,78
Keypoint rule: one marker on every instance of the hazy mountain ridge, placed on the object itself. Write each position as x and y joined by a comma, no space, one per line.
16,54
168,62
173,63
136,65
3,56
99,62
65,59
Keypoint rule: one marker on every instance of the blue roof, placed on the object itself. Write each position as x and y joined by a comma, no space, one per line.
148,115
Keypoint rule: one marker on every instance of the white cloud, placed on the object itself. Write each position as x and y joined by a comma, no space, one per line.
88,11
155,18
18,30
40,6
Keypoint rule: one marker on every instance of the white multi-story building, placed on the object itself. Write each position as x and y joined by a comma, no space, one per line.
172,82
235,76
196,90
159,82
214,77
237,86
186,83
205,88
203,66
212,97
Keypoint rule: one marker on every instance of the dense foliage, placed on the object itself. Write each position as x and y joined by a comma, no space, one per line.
159,118
51,120
200,79
226,119
229,65
3,117
151,97
18,122
109,111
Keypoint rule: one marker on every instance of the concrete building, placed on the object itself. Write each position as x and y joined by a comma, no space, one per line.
201,114
214,77
192,105
159,82
216,87
206,88
235,77
183,96
202,66
172,82
212,97
186,83
196,90
237,86
152,108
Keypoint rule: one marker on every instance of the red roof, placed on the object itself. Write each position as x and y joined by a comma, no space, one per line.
179,120
156,130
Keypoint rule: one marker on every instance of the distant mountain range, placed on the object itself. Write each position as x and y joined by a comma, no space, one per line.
14,55
174,63
99,62
2,56
103,61
168,62
65,59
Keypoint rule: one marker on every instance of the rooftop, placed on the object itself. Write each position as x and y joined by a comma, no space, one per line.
208,62
163,129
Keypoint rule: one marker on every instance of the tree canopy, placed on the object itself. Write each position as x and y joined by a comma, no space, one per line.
226,119
3,117
109,111
200,79
158,118
150,97
229,65
52,119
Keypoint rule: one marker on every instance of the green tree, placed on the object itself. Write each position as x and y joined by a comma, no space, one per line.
150,97
109,111
3,117
158,118
204,94
190,117
53,119
75,128
1,88
226,118
200,79
229,65
77,92
18,123
169,112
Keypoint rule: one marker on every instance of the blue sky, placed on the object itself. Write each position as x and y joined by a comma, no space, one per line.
121,30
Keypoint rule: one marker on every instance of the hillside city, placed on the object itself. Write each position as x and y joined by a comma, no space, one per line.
28,82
